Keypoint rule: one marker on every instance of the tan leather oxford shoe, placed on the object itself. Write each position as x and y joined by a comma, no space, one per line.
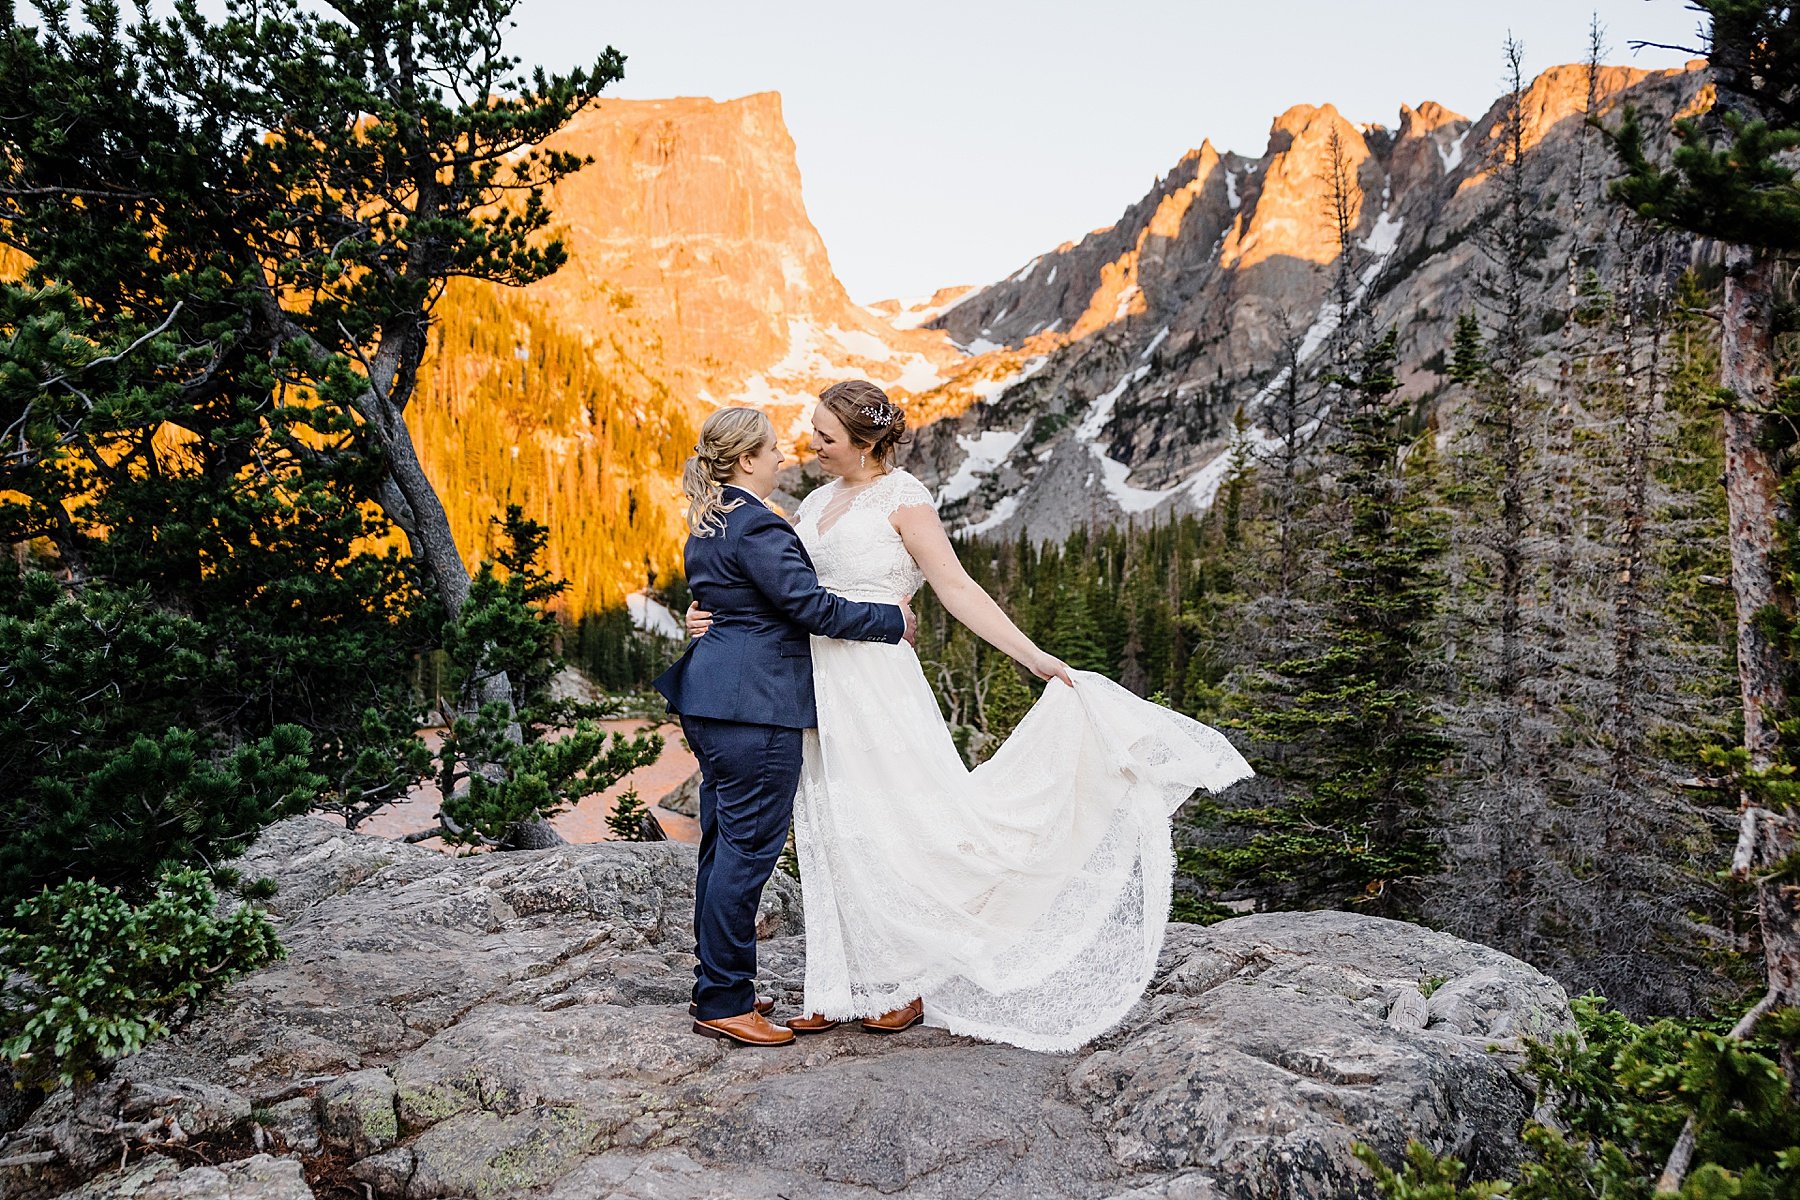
751,1029
812,1023
904,1017
764,1005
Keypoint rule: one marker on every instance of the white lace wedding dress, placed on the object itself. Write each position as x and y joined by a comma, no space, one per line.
1024,900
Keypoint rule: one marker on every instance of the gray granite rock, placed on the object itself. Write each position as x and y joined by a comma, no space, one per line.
294,1124
387,1173
356,1112
261,1177
683,798
514,1025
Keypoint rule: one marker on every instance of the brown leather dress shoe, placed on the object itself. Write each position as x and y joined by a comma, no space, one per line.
904,1017
812,1023
751,1029
763,1005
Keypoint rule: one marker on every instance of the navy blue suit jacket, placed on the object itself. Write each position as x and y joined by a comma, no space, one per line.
755,663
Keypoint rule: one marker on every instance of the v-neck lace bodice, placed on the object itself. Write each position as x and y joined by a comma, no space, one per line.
860,554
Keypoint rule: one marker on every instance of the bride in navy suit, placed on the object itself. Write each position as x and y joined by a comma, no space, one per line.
745,695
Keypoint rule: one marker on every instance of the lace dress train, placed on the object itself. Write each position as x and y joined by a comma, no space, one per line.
1024,900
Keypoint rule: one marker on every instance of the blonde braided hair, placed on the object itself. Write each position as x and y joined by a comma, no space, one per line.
725,437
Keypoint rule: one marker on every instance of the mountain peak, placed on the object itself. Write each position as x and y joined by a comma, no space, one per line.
1302,116
1429,116
1118,363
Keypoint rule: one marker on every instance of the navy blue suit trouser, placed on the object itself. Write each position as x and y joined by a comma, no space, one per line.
748,775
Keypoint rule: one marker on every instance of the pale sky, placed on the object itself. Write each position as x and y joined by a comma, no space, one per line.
944,143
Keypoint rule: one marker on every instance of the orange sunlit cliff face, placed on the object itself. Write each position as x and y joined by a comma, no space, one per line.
695,279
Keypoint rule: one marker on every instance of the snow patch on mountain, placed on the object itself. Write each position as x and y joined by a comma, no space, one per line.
653,617
861,343
1113,473
981,454
1002,513
920,311
833,352
1453,154
989,390
1101,410
917,375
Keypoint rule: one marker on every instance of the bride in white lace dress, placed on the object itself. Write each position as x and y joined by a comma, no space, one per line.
1023,901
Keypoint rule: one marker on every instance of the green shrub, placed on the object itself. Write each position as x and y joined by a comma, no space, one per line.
86,976
1621,1094
627,818
1425,1176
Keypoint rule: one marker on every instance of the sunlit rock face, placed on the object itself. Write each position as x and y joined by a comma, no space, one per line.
694,280
690,230
1105,373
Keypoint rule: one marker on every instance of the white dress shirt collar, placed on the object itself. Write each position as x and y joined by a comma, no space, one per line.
732,487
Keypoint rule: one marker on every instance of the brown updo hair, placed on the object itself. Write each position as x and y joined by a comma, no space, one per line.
875,424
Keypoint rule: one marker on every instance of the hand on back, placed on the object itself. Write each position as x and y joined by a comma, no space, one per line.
699,621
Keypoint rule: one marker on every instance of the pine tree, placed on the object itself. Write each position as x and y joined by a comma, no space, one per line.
1498,674
211,619
1732,179
1360,741
1007,702
1074,635
500,770
290,249
627,819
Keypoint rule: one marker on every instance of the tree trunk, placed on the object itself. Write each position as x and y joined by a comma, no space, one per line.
1628,567
1752,483
1751,493
1752,496
424,520
408,499
1764,840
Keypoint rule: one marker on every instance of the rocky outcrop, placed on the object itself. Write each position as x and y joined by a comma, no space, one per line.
1107,371
689,235
156,1177
694,279
514,1025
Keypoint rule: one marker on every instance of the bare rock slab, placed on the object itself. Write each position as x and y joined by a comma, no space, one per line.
515,1025
262,1177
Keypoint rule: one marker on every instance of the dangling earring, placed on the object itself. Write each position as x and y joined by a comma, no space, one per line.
862,460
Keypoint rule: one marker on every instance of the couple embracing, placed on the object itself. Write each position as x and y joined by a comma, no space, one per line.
1021,902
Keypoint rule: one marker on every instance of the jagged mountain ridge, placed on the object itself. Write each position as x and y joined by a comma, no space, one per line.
1095,383
1106,372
